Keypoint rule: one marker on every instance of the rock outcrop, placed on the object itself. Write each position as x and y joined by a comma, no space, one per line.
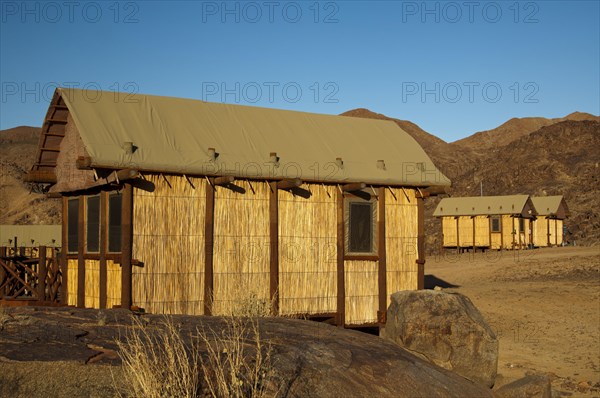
446,329
532,386
309,359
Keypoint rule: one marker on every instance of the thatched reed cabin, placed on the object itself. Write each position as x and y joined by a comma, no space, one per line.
174,205
548,225
486,222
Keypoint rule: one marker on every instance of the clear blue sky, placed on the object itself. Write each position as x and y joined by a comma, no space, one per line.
453,68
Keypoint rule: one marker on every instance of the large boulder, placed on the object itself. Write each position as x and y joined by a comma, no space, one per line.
309,359
532,386
446,329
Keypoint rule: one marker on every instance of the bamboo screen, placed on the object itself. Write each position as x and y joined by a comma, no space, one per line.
113,284
540,232
482,231
241,246
72,281
507,231
449,231
559,232
92,284
401,227
168,237
465,231
307,251
361,292
555,231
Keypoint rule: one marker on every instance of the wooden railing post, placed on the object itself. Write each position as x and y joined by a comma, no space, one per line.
3,275
42,272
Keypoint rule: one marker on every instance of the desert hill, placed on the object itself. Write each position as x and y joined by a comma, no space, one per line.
512,130
18,204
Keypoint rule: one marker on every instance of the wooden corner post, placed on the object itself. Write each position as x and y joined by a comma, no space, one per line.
64,264
80,253
341,286
42,272
382,268
126,245
103,246
274,247
421,241
209,231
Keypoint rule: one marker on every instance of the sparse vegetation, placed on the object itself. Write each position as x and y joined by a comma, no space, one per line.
4,317
233,361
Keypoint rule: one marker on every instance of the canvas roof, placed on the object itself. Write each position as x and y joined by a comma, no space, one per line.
550,206
174,135
485,205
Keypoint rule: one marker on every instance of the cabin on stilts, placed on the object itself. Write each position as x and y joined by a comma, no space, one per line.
548,225
174,205
486,222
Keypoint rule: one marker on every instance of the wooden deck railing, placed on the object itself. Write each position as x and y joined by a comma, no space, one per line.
30,274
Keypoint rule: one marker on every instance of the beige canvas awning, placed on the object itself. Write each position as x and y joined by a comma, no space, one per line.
551,206
174,135
486,205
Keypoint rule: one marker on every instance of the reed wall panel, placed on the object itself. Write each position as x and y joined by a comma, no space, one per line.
92,284
168,237
540,232
113,284
241,246
401,223
559,232
361,292
72,271
482,231
507,231
307,251
449,231
465,231
496,240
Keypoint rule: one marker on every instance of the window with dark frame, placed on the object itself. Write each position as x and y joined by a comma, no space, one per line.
521,225
495,224
114,222
361,228
92,224
72,225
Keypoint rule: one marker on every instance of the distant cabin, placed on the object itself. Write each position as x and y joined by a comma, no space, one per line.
174,205
548,226
486,222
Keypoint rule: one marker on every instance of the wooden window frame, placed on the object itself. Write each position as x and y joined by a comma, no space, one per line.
71,200
499,229
86,231
521,225
373,254
108,226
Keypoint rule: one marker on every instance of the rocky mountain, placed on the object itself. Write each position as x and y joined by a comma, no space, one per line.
535,156
512,130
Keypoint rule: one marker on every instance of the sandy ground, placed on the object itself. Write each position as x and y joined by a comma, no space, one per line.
544,305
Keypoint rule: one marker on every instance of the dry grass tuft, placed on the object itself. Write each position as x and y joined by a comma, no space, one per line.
4,317
230,361
157,362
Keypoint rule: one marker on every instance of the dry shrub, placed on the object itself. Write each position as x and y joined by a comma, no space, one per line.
230,361
157,362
